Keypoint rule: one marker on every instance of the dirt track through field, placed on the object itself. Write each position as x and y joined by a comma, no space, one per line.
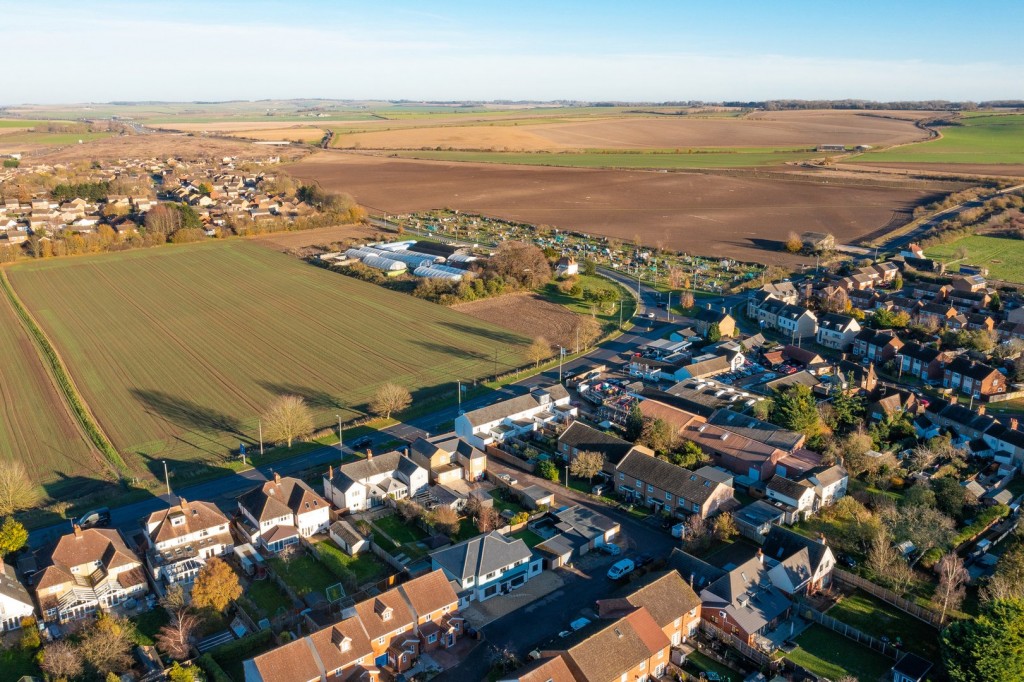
712,215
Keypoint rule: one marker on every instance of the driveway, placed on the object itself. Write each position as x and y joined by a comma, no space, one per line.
480,614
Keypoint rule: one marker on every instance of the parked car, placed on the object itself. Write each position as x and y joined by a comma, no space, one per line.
847,560
579,624
610,548
364,442
508,479
97,518
641,560
621,568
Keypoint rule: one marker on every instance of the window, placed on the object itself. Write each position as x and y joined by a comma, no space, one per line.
643,665
668,496
622,476
639,484
431,639
380,640
650,488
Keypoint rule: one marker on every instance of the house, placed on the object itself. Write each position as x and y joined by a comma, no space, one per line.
804,565
664,486
911,668
806,359
566,267
487,565
876,345
678,418
632,647
673,605
547,669
886,403
743,601
448,458
370,482
580,530
815,242
515,417
757,430
579,437
797,497
796,322
89,569
15,601
390,630
837,331
935,315
749,459
706,317
279,512
921,362
973,378
829,483
180,540
962,283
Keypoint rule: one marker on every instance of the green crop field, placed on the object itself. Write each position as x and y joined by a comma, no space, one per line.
995,138
177,350
35,425
701,158
1003,257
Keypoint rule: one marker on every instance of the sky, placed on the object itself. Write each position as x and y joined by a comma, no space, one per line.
60,51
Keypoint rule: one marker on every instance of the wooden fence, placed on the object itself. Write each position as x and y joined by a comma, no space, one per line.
848,631
889,597
510,459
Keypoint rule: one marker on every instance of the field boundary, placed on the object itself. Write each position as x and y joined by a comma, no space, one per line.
67,386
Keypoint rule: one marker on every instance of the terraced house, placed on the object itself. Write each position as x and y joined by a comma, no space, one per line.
89,569
663,486
387,632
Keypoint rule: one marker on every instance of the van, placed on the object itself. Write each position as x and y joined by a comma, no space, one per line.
98,518
620,569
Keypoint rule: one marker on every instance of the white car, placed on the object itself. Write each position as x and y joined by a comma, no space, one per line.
620,569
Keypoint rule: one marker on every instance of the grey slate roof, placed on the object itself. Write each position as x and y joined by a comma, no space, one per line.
481,555
586,521
499,411
782,543
586,438
747,595
791,489
755,429
677,480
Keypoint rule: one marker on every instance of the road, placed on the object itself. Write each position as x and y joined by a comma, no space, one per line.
551,614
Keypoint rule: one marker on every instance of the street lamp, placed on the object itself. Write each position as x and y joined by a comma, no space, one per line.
341,440
561,354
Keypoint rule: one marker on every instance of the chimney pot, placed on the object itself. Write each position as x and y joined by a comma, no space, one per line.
369,453
1013,423
277,477
78,530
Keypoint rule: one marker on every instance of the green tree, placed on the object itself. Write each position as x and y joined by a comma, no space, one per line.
725,527
13,536
688,454
849,410
29,634
589,268
714,333
950,496
216,586
990,647
634,423
178,674
995,304
189,218
659,435
794,408
587,464
548,470
889,319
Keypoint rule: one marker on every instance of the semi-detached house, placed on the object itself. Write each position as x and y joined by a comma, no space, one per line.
15,601
487,565
371,481
837,331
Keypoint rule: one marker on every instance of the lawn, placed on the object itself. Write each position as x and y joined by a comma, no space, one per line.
583,307
529,537
400,531
195,345
1003,257
876,618
696,663
364,567
503,501
268,597
700,158
304,574
148,624
981,139
15,663
831,655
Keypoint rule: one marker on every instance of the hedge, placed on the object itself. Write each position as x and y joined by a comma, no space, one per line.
983,520
243,645
67,387
214,673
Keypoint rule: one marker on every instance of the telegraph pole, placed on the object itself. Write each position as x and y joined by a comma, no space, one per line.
260,422
341,440
167,479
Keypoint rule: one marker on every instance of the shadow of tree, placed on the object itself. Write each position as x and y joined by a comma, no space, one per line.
505,337
187,413
451,351
314,397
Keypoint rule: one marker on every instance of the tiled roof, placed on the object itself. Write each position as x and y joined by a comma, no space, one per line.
674,479
481,555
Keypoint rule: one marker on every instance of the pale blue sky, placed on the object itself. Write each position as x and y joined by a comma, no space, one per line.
63,51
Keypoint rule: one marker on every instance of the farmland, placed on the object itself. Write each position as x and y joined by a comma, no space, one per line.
177,350
1004,257
703,158
739,217
981,139
526,314
36,426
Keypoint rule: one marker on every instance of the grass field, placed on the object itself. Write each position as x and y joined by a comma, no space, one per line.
177,350
702,159
831,655
995,138
1003,257
56,139
36,426
876,618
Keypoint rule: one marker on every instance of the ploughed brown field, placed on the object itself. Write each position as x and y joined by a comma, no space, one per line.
320,236
992,169
762,129
712,215
160,145
525,314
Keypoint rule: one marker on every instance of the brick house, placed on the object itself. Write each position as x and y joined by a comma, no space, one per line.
973,378
673,605
877,345
664,486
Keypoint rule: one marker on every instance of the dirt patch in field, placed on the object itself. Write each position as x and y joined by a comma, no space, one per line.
526,314
159,145
321,236
706,214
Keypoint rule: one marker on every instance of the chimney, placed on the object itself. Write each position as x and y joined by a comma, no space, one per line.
277,478
723,310
821,539
1013,423
980,409
760,556
78,530
183,503
330,472
369,454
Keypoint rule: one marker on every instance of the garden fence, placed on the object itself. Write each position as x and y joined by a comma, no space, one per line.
889,597
756,655
849,631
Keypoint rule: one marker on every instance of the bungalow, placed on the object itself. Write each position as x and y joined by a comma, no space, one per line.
370,482
876,345
279,512
487,565
701,369
566,267
664,486
837,331
515,417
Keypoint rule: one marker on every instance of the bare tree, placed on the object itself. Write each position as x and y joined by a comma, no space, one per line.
696,534
589,330
174,639
587,464
409,510
61,660
16,488
445,520
487,519
952,587
1008,580
162,219
288,418
539,351
107,645
390,398
522,262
